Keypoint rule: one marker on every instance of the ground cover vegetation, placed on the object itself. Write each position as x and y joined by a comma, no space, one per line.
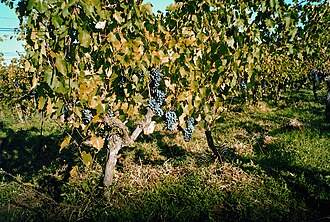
174,116
274,167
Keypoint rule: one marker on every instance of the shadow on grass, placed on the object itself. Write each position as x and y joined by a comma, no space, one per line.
168,151
288,160
31,156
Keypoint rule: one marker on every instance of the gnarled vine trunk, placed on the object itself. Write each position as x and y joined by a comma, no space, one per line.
118,140
115,143
210,143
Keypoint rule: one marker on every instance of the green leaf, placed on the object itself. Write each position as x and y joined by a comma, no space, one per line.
57,21
60,64
84,39
223,49
41,103
87,158
41,6
48,74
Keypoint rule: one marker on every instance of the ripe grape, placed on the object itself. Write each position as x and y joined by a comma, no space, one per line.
156,77
170,119
160,96
122,81
110,113
243,85
157,96
87,116
155,106
316,77
189,130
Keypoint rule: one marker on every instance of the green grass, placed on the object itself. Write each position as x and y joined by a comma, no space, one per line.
275,167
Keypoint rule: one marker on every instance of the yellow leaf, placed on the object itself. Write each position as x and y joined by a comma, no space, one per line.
148,6
74,171
182,121
184,96
65,142
27,66
182,72
231,42
170,86
97,119
96,142
49,108
95,101
34,81
124,107
41,102
118,17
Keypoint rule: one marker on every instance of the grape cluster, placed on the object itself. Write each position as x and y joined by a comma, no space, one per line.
155,106
316,77
170,119
243,85
102,133
110,113
160,96
122,81
17,84
156,76
87,116
157,96
189,130
66,108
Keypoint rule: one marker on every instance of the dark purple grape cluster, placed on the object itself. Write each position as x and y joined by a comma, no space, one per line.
110,113
243,85
155,106
160,96
316,77
87,116
157,96
66,109
187,133
156,76
17,84
170,120
122,80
